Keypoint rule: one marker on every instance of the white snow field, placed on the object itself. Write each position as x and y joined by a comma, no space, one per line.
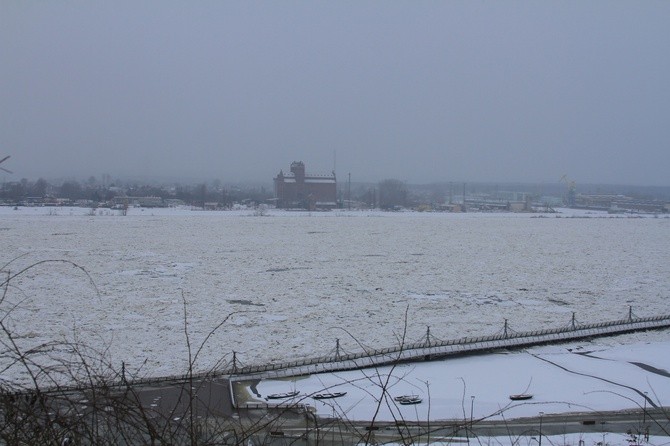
296,281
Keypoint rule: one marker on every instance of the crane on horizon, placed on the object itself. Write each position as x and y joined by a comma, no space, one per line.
2,161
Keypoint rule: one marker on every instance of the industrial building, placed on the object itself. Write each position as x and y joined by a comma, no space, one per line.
298,190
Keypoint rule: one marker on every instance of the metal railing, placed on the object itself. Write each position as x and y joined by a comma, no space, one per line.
401,353
439,349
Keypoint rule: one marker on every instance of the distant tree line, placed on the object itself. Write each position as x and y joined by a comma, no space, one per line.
106,191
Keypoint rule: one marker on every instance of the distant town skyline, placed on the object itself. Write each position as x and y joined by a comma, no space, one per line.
554,188
422,92
106,179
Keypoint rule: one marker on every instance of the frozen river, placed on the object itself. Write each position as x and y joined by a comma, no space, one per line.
296,282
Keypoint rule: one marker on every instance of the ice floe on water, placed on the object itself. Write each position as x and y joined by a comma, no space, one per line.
289,284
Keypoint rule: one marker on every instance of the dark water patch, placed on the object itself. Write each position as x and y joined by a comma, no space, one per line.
281,270
588,354
373,255
558,302
244,302
317,232
651,369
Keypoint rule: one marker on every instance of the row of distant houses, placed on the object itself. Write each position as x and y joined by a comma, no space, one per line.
298,189
293,190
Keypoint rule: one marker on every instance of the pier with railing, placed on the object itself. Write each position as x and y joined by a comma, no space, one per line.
430,349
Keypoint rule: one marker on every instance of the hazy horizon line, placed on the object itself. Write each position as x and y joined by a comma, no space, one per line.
189,180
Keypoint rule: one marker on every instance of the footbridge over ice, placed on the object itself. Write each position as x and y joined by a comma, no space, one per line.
421,351
431,350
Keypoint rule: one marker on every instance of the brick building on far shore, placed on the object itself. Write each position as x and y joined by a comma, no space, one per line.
297,190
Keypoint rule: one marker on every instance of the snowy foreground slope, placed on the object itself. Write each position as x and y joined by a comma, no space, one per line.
296,282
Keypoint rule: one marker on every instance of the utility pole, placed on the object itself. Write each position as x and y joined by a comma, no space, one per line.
349,191
472,407
463,210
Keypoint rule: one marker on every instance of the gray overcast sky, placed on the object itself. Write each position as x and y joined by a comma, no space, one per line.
421,91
